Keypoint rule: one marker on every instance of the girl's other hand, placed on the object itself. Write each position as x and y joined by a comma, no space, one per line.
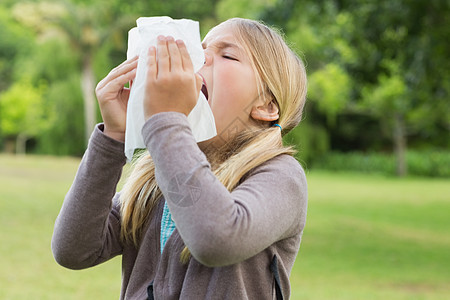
112,96
172,84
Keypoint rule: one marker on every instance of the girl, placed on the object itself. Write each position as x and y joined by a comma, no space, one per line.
221,219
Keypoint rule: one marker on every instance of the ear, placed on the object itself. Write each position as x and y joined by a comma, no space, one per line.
266,112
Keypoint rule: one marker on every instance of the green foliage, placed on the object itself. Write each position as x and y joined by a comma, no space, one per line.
387,96
61,100
251,9
397,72
392,52
309,140
22,110
330,88
429,163
57,61
16,41
367,63
357,161
65,136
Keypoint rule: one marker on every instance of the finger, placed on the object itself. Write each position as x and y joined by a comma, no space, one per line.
124,67
163,60
198,82
152,72
175,55
185,57
125,97
117,84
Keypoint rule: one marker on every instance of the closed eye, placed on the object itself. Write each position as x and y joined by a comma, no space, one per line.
229,57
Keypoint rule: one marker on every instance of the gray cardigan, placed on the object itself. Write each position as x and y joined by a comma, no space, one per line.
233,237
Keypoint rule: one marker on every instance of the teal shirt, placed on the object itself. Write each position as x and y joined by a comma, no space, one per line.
167,226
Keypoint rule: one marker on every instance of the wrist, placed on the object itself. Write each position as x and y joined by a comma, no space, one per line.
151,112
115,135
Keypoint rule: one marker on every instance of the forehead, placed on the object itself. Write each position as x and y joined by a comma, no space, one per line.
221,33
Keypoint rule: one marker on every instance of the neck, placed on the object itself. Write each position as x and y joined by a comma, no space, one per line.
218,151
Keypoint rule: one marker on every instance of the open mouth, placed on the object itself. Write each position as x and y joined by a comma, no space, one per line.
204,91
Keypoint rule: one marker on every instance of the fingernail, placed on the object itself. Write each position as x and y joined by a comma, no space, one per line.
170,38
179,42
161,38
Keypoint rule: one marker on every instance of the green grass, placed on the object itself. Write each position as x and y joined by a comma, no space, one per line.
366,237
373,237
31,193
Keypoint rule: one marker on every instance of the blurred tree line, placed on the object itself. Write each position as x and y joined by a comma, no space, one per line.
378,70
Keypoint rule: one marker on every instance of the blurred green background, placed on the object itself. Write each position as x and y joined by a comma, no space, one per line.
374,139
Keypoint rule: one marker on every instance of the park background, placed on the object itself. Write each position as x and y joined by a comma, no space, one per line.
374,140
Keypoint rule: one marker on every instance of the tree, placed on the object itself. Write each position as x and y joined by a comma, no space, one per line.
330,87
394,54
401,66
388,100
15,41
86,28
22,113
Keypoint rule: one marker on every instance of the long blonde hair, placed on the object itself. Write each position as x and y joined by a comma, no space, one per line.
282,77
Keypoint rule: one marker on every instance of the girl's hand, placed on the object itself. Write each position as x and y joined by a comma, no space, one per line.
172,84
113,97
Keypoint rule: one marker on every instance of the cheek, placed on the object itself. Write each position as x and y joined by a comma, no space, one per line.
238,90
224,114
233,98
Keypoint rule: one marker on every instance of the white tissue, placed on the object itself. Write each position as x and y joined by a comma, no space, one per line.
140,38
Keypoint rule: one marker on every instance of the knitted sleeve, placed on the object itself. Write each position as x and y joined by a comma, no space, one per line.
87,229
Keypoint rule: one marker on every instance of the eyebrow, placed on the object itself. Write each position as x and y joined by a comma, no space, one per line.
223,45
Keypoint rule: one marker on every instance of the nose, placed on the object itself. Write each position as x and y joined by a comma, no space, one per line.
208,58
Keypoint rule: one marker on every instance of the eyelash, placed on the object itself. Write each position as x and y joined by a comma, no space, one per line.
229,57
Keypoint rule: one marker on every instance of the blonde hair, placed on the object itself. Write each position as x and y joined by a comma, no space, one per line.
282,77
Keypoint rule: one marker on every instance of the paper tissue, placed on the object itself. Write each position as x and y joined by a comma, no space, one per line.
140,38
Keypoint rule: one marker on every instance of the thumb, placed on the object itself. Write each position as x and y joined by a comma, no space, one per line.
198,82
